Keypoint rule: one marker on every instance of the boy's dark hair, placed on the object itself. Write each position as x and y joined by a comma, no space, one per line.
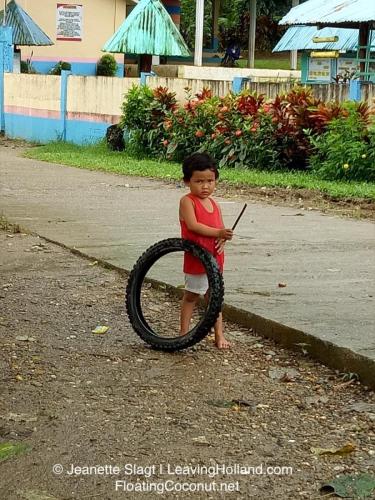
200,162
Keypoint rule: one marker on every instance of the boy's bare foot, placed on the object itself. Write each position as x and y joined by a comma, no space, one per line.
221,342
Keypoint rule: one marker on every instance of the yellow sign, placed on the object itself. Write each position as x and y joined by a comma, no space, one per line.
325,55
325,39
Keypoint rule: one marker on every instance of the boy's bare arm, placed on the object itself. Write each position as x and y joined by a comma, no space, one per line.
188,215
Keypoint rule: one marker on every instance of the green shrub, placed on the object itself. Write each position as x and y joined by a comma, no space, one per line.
251,146
346,150
297,116
135,108
245,131
144,112
60,66
245,135
187,128
234,129
106,66
27,67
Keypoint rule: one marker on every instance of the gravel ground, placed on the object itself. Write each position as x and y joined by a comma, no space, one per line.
81,399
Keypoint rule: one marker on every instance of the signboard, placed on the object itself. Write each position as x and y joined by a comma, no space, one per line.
319,70
346,65
325,39
69,22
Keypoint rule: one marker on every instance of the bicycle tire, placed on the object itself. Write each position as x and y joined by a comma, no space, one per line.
134,286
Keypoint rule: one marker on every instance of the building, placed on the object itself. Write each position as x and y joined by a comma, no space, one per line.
79,31
329,54
350,17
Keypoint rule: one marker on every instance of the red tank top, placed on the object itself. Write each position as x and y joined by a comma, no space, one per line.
192,265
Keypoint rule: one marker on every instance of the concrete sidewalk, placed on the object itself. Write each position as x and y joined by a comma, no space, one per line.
326,263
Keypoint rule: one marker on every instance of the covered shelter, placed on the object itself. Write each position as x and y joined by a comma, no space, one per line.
348,14
17,28
340,43
148,31
25,31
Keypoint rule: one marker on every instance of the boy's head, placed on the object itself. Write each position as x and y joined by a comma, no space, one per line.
200,174
198,162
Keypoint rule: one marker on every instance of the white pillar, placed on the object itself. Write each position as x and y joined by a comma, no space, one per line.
293,53
252,30
199,22
5,11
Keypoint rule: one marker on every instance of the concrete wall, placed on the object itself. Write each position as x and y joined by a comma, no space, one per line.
39,92
101,96
79,109
32,106
332,92
368,93
227,74
44,108
179,86
269,89
101,18
92,105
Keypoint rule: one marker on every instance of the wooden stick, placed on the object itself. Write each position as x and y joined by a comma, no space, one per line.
239,217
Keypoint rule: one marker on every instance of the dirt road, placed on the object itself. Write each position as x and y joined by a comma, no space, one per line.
152,420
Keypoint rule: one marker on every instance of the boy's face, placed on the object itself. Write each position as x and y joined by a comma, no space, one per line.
202,184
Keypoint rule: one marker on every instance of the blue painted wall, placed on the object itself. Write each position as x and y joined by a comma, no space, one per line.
43,130
40,129
83,69
85,132
32,128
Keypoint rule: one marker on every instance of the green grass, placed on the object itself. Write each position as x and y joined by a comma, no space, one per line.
98,157
8,450
275,61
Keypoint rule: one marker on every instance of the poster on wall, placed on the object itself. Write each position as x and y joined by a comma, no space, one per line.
346,66
319,70
69,22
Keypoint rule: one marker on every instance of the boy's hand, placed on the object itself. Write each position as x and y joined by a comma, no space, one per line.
225,234
219,246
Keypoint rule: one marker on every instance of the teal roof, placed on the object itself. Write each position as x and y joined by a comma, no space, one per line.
331,12
148,29
301,38
25,30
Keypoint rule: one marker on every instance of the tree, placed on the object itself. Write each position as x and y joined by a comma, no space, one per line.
187,27
234,21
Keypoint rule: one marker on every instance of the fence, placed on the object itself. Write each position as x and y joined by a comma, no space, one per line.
325,92
79,109
45,108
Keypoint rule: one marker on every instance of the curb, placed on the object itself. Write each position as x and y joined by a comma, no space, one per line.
332,355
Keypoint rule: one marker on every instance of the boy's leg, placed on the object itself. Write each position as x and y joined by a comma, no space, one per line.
220,341
187,308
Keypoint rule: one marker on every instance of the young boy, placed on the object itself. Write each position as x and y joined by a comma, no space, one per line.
201,222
